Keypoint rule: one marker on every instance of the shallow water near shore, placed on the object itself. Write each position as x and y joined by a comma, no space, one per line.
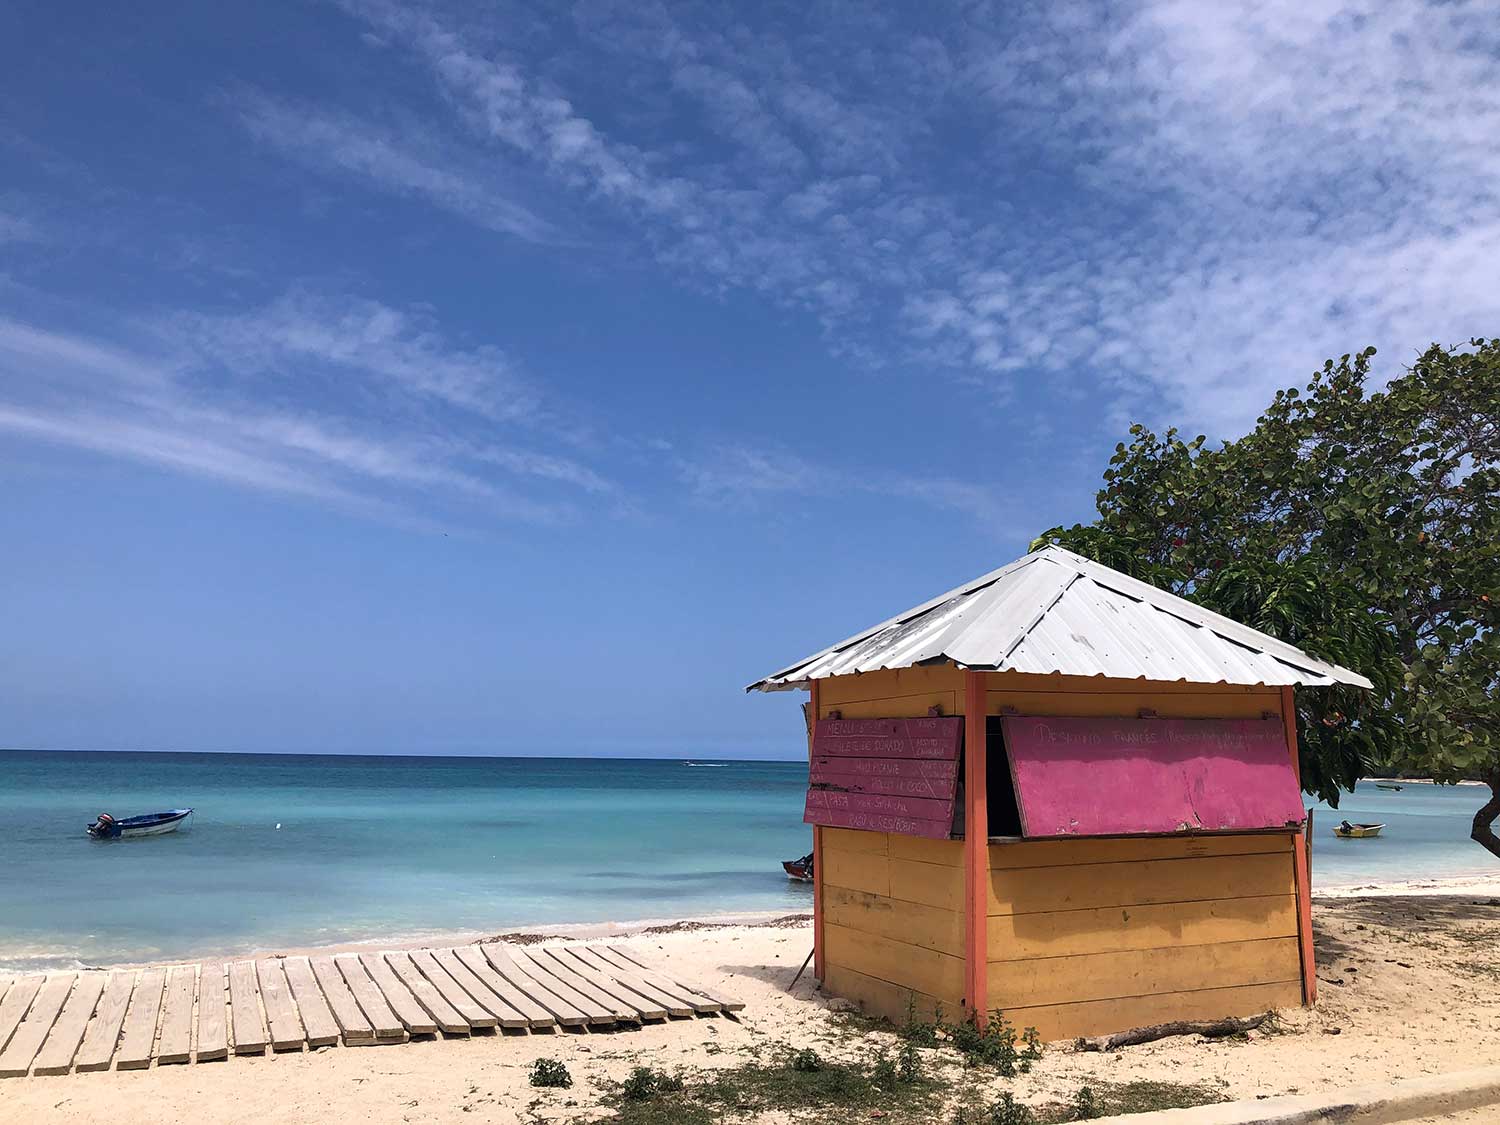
291,851
309,850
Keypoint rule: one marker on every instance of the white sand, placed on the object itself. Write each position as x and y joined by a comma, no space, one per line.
1411,984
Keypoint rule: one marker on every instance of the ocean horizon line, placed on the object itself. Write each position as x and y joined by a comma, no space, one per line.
450,755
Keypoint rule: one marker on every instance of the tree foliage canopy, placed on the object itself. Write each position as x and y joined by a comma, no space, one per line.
1362,527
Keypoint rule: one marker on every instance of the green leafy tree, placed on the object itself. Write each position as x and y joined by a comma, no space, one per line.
1362,527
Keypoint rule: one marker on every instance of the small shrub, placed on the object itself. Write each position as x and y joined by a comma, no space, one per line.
807,1061
1031,1045
1085,1108
884,1073
1008,1111
550,1072
670,1083
908,1063
995,1045
641,1084
918,1031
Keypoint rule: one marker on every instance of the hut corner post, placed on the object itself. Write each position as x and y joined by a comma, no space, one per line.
976,849
1299,859
815,712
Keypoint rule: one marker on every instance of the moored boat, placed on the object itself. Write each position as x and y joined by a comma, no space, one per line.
799,869
1388,785
1347,831
107,827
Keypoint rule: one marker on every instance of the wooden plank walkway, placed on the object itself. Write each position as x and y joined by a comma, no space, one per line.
83,1021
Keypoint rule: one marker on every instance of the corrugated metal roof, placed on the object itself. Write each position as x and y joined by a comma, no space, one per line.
1056,611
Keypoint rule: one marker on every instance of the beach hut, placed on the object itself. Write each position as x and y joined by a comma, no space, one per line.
1061,793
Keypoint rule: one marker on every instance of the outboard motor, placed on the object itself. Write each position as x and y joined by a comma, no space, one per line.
104,827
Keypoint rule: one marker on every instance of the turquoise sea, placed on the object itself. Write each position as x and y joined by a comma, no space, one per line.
290,851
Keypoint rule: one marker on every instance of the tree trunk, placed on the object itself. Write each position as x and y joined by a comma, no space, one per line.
1483,833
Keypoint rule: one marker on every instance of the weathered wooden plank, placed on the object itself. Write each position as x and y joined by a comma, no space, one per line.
317,1019
714,995
175,1042
17,1002
881,998
925,970
570,1008
250,1036
852,840
443,1013
1100,1017
529,1010
1089,886
573,972
213,1013
385,1001
535,961
944,853
15,1060
395,997
701,1002
476,990
352,1021
1014,854
1020,937
1141,972
139,1037
669,997
281,1013
56,1055
461,1001
929,926
103,1032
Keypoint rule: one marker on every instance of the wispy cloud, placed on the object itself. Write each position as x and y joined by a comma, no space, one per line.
1188,204
308,336
749,477
17,228
316,396
403,164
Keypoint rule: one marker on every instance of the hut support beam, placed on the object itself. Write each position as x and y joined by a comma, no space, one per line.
976,848
814,714
1299,860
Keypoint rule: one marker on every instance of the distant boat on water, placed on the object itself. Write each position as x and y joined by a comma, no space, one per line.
107,827
1347,831
1388,785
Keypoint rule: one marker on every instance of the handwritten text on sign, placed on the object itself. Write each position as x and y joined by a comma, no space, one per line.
885,775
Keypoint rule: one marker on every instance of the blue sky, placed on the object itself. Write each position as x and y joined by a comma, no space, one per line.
406,377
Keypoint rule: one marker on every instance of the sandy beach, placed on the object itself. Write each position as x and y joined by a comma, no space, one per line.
1409,983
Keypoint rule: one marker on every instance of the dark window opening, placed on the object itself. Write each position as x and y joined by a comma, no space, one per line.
1005,813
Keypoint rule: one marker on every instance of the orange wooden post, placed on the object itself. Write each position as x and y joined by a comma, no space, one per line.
1299,860
976,848
812,727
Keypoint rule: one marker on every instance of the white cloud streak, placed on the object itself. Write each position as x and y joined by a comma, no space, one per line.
1190,204
402,164
313,396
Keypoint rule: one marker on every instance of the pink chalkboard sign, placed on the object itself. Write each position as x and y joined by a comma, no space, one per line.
1123,777
885,775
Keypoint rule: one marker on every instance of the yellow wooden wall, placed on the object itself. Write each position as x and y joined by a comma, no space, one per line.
1092,936
1087,937
893,923
1084,936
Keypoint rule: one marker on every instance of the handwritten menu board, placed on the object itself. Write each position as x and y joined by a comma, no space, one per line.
885,775
1122,777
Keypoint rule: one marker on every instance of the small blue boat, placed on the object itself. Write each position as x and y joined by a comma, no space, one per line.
151,824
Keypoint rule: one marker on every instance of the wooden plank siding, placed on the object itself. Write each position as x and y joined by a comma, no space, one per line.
1141,930
893,924
1081,936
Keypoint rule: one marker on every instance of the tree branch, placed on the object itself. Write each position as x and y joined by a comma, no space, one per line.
1483,832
